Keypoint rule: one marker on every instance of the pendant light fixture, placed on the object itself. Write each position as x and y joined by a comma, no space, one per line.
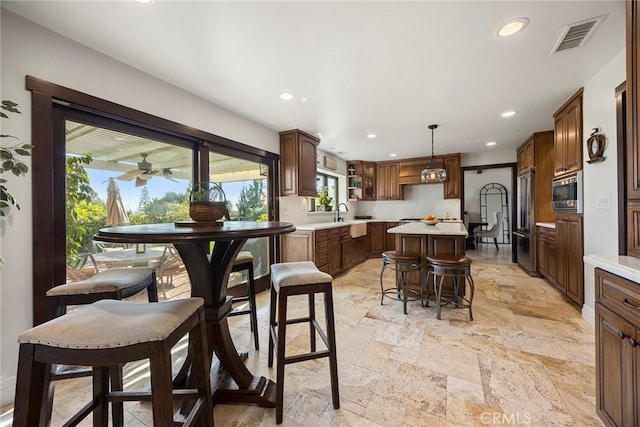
433,173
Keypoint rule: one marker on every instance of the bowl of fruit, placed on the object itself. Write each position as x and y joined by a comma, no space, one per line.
430,220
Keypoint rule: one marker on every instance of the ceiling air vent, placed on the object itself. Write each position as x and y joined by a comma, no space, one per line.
577,34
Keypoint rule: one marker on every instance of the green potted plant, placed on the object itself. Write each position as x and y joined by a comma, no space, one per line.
324,201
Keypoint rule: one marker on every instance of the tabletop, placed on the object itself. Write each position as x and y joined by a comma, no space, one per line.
171,233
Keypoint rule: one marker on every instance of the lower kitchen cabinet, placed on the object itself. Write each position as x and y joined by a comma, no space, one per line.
330,249
547,254
570,278
617,350
377,231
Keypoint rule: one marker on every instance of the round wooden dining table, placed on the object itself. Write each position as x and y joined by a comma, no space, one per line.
209,276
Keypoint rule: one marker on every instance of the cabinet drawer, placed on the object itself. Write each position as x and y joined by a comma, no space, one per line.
345,231
322,252
618,294
322,235
335,233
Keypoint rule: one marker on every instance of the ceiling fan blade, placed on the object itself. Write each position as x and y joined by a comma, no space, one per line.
140,182
128,176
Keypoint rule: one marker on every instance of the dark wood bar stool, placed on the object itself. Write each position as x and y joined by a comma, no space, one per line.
117,284
402,264
244,261
301,278
459,270
109,333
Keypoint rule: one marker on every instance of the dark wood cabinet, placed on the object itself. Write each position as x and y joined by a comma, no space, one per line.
354,181
568,136
633,130
391,238
617,349
377,231
387,181
570,250
298,152
453,184
525,156
369,181
546,254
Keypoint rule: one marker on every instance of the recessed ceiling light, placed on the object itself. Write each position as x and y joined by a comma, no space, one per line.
287,96
119,138
512,27
509,113
491,143
371,135
393,155
303,99
146,1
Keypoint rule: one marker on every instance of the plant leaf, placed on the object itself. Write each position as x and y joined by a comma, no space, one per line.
23,152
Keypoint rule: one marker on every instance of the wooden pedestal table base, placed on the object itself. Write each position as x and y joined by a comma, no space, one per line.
232,382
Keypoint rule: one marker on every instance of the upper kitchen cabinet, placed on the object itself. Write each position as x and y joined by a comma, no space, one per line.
369,181
568,136
298,163
633,129
354,180
525,156
410,169
453,184
387,180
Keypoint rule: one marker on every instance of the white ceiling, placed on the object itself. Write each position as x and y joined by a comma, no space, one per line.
389,68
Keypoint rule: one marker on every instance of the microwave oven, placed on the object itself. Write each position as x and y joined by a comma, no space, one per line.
566,193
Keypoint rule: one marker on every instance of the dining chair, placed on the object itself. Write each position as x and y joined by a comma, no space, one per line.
493,232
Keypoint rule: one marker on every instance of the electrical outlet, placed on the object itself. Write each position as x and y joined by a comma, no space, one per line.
604,201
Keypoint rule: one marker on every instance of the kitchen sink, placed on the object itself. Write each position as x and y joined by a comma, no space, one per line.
358,229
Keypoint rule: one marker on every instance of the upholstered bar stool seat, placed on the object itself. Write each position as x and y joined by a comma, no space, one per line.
402,263
244,261
109,333
301,278
116,283
459,270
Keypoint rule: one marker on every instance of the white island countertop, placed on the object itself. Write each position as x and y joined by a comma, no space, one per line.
623,266
445,228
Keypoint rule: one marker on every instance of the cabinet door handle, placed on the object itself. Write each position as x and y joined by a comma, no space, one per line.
628,304
632,342
621,335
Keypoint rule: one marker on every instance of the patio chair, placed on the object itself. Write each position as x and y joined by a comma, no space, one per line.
82,268
169,265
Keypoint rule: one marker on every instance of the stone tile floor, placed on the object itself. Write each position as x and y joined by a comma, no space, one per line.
526,359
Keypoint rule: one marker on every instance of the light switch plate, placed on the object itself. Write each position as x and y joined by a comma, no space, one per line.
604,201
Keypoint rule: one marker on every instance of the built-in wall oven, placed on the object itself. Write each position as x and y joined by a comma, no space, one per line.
566,193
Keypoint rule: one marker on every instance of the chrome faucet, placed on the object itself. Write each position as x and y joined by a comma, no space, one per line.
336,213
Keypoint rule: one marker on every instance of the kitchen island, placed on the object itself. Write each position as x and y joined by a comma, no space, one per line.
443,239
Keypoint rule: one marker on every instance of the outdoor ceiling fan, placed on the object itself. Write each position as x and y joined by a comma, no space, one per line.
144,172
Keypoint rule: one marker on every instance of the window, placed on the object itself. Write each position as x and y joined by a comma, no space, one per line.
330,185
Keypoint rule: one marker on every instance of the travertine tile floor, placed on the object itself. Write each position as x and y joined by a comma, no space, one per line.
526,359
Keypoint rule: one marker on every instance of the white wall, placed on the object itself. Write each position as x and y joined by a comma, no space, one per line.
473,183
491,156
600,179
28,49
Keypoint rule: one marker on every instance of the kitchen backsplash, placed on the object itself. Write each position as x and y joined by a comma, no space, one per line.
419,200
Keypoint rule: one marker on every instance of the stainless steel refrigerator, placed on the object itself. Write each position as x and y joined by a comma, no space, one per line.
523,234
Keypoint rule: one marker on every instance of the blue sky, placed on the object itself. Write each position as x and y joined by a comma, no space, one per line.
158,186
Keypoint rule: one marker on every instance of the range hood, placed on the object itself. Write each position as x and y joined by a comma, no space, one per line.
410,171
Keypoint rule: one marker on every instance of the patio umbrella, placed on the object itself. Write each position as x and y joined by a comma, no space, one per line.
116,215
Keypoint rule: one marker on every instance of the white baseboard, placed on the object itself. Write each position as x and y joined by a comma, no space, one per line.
589,315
